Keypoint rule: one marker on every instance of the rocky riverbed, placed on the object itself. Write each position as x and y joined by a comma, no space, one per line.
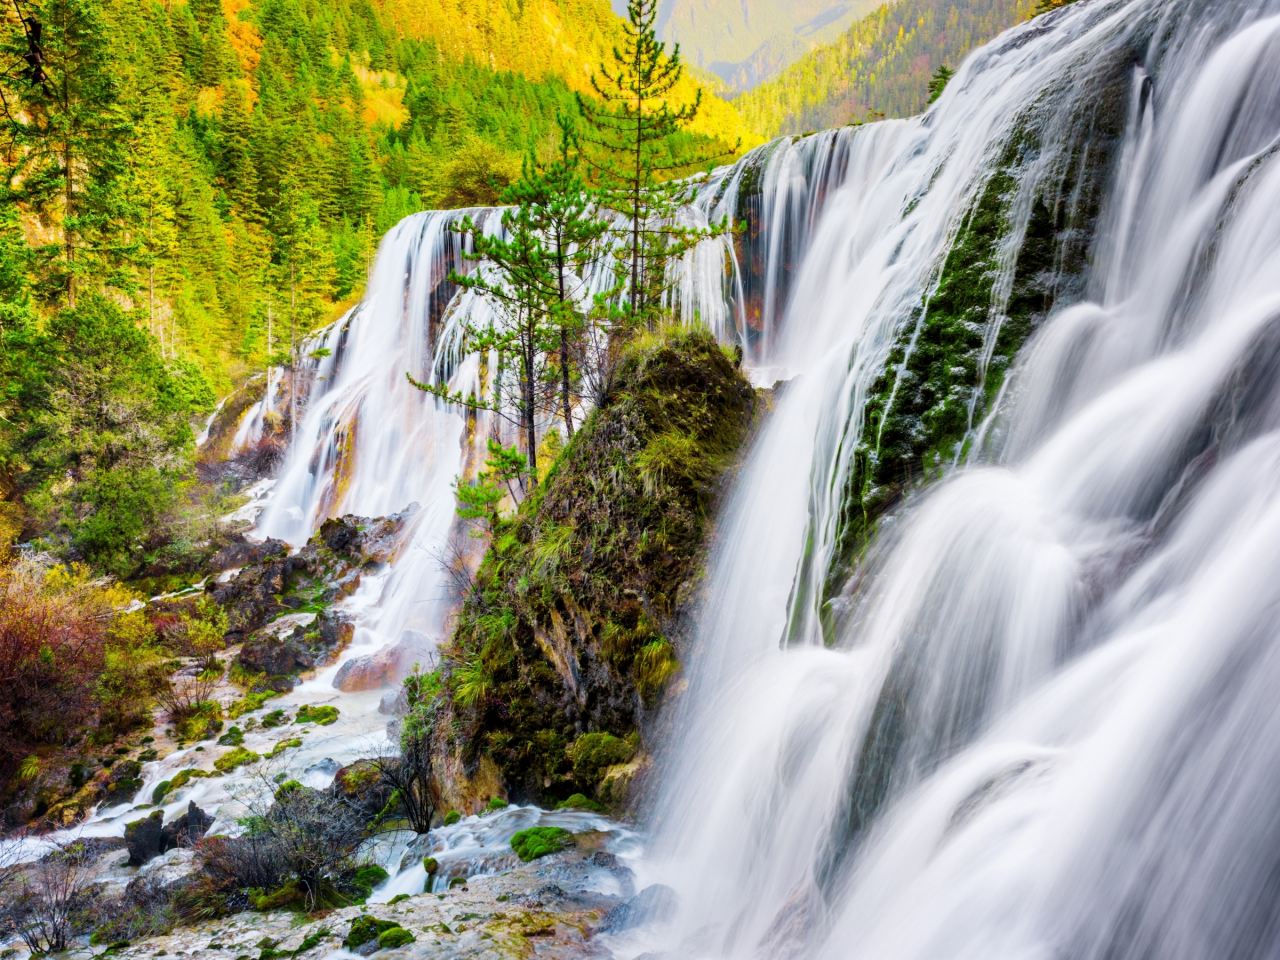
578,903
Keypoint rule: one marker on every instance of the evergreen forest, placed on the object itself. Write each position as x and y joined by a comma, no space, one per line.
880,67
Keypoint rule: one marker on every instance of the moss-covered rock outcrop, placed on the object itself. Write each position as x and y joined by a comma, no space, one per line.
571,628
1022,249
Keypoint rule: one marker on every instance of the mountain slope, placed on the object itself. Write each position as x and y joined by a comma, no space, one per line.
565,39
881,64
745,41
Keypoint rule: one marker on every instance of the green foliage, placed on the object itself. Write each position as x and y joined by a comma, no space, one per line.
495,804
365,928
431,865
452,817
941,77
635,131
95,429
203,721
655,664
884,64
583,580
319,715
540,841
249,703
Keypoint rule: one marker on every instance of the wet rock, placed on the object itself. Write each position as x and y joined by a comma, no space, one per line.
169,869
654,904
143,838
268,655
244,552
386,666
394,704
365,540
300,641
362,784
187,829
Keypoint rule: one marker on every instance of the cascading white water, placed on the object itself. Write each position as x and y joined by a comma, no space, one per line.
1047,726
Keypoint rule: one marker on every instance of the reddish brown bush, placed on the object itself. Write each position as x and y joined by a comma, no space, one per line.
52,652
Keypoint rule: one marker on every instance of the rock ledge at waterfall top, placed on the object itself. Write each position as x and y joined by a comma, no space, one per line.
572,630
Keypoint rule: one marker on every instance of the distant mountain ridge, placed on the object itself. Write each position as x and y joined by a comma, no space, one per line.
746,41
880,65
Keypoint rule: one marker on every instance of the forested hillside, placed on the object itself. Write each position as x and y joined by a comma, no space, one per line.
192,186
881,65
242,158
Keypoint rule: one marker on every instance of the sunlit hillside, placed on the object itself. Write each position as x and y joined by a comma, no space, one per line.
881,65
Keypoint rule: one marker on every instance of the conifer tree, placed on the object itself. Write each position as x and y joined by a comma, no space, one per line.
634,127
68,135
556,206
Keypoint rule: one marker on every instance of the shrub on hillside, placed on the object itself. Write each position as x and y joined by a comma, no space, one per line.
98,436
71,659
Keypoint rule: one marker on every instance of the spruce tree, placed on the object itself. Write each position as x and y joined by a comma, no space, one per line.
69,136
635,127
556,206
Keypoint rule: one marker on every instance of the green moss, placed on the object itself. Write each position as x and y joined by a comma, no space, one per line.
540,841
249,702
573,623
431,865
365,928
159,791
235,758
276,718
580,802
366,878
592,753
319,715
204,722
232,738
396,937
287,895
180,780
398,898
284,745
496,803
949,361
452,817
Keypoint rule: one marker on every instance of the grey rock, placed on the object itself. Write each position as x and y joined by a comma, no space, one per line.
245,552
186,829
654,904
143,838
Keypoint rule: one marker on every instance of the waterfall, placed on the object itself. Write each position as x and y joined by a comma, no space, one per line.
987,656
1034,713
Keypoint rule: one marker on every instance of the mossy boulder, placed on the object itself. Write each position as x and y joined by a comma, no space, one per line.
366,928
574,623
320,715
395,937
235,758
580,802
540,841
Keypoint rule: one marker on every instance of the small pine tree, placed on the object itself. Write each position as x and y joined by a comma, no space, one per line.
939,82
635,130
561,212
